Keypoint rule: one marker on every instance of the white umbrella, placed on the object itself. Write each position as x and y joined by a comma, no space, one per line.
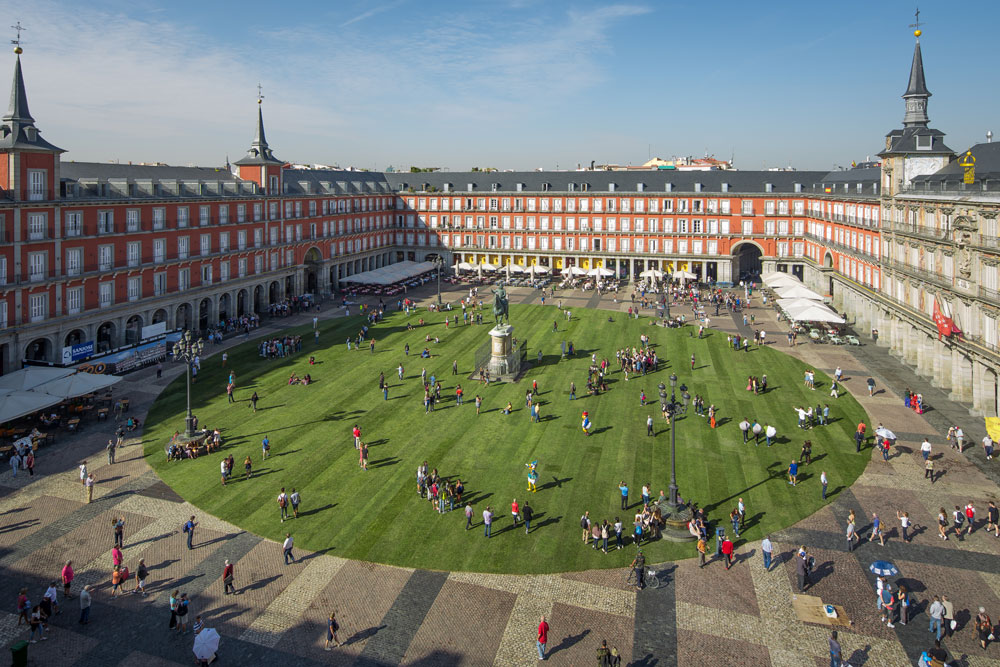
77,384
537,268
16,404
32,376
684,275
486,266
600,272
797,292
574,271
465,266
817,313
651,273
516,268
885,433
206,643
782,281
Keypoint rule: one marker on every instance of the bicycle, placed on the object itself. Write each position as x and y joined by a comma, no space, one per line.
651,578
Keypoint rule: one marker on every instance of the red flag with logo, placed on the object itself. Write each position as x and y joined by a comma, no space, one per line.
942,318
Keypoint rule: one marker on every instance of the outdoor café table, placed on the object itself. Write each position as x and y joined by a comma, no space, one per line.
73,423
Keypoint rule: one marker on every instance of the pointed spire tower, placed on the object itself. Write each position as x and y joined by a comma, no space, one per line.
32,163
916,92
259,164
916,149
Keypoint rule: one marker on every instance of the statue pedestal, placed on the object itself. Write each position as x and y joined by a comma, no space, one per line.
504,361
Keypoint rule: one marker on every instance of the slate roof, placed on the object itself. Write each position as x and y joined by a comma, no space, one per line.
905,141
18,129
653,181
917,86
987,158
259,152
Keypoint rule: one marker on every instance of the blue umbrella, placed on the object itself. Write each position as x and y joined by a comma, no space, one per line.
883,568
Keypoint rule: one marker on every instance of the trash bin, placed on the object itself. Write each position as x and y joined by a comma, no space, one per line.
720,535
19,654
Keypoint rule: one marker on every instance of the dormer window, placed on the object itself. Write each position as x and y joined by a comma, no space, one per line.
30,133
924,142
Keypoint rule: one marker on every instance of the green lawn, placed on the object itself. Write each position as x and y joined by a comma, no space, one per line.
377,515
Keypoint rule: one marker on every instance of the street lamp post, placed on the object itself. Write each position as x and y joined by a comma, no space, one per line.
188,349
674,409
440,263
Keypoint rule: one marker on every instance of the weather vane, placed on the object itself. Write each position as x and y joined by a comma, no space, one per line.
17,41
916,24
260,97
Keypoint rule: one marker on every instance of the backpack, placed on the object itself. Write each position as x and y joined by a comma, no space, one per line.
185,527
583,522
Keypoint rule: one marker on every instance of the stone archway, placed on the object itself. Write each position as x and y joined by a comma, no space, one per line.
159,316
241,303
258,296
75,337
274,292
747,255
205,314
107,337
183,319
224,307
133,330
40,349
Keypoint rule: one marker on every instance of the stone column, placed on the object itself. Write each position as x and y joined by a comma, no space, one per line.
961,377
925,353
940,365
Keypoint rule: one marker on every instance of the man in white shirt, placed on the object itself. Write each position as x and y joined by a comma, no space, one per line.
745,427
988,447
769,434
925,449
766,549
286,547
959,438
802,417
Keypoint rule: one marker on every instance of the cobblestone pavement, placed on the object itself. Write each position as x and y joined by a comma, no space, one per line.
392,615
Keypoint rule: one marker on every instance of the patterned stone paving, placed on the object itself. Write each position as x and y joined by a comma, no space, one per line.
392,615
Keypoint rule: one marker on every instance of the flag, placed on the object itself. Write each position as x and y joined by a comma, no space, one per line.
942,318
993,428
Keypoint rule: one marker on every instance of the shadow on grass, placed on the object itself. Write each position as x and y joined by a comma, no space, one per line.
317,510
381,463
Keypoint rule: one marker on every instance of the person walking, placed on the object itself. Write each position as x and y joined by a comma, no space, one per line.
983,628
111,451
295,499
877,530
331,632
120,532
851,535
835,651
526,514
182,612
871,386
227,579
904,524
253,402
515,510
140,578
89,485
623,488
948,615
265,448
67,578
283,504
585,525
85,605
767,550
823,481
727,551
487,521
468,516
935,614
801,570
189,527
286,548
793,473
649,425
925,449
702,548
543,638
993,519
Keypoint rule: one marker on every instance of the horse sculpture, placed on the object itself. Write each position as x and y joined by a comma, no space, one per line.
500,305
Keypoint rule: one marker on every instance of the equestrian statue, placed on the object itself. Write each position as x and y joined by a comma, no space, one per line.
500,305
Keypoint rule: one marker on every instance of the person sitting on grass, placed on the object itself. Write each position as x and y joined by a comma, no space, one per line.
508,408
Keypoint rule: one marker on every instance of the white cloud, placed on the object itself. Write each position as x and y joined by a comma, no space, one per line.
132,83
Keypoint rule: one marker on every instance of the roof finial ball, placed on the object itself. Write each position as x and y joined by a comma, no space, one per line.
17,41
917,33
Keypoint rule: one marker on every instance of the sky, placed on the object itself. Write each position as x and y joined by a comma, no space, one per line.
509,84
